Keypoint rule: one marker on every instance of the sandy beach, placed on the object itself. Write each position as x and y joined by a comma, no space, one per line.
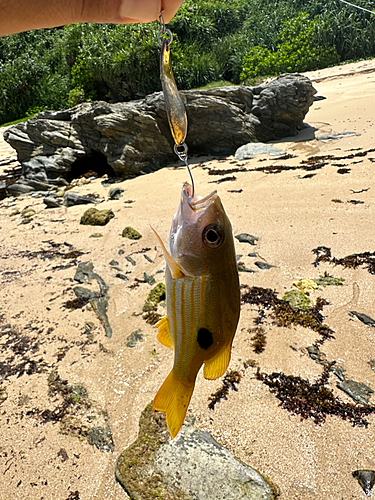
293,205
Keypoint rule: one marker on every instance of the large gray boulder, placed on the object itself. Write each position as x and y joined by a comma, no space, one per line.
133,138
192,466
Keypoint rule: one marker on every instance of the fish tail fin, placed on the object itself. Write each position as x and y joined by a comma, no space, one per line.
173,398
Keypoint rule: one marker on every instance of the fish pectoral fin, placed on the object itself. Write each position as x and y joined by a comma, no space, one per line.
173,266
173,398
217,365
164,333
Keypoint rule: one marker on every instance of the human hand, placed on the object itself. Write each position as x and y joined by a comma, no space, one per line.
23,15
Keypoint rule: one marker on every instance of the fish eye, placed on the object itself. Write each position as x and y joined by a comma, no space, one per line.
213,236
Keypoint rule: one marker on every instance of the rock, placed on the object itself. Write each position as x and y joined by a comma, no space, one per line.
28,212
71,198
192,466
101,437
247,238
94,217
132,261
122,277
243,269
100,306
357,391
131,233
367,320
3,190
85,293
263,265
110,138
156,295
99,301
51,202
115,193
366,479
252,149
17,189
340,135
134,338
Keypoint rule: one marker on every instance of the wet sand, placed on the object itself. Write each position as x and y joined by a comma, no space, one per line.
291,210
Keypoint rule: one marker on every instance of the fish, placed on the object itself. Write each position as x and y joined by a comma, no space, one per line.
202,300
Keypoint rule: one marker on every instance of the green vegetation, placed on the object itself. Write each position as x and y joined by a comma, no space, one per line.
236,41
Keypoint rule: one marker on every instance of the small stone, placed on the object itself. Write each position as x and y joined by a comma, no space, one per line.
51,202
95,217
156,295
115,193
243,269
71,198
356,390
247,238
114,263
263,265
252,149
132,261
101,437
122,277
28,212
131,233
363,317
366,479
134,338
96,235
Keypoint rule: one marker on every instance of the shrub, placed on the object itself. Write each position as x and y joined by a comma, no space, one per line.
298,50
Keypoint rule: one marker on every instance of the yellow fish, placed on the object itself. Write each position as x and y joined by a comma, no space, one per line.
203,300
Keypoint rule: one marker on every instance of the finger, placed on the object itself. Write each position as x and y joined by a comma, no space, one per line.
140,10
170,7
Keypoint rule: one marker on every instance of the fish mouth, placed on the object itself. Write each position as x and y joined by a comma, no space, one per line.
195,201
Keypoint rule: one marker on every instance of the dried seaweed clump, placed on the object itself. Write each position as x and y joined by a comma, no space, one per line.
285,314
258,340
366,259
313,400
231,380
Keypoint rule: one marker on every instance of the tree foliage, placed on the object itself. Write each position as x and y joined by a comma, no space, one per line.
232,40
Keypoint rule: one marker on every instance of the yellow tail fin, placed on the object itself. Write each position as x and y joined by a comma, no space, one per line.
173,398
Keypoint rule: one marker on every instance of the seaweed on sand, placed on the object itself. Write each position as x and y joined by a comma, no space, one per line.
313,400
231,380
366,259
285,314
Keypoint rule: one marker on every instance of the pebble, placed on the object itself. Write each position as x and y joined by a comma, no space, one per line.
247,238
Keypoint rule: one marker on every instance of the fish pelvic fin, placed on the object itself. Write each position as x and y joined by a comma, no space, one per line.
174,268
173,398
217,365
164,333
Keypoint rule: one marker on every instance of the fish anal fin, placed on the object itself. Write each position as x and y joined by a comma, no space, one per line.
173,398
164,333
174,268
216,366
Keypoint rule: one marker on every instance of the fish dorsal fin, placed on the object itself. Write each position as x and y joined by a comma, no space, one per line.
173,266
217,365
164,333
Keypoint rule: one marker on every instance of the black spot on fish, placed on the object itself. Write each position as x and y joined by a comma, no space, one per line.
204,338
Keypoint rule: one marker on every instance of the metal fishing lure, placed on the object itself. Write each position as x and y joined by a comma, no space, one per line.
174,105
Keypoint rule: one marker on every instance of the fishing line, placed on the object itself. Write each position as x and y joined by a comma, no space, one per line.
357,6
